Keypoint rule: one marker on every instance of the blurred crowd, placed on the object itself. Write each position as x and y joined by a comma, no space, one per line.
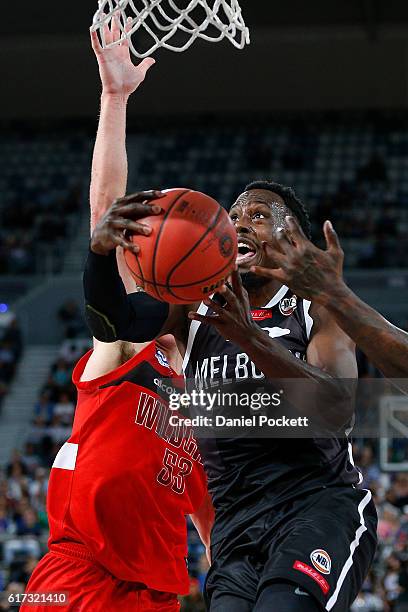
33,230
367,208
386,587
369,216
11,348
349,168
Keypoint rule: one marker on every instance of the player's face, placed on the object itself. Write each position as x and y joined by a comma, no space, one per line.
257,214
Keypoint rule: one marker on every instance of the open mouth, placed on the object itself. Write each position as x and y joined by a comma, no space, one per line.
246,253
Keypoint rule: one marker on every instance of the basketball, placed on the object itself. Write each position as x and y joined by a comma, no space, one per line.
191,251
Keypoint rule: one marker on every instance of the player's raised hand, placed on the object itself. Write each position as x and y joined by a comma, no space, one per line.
233,320
124,216
309,272
118,74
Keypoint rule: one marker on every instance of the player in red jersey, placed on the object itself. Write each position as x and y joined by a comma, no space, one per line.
121,486
119,490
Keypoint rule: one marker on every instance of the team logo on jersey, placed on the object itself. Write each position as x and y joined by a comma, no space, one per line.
321,561
261,315
161,358
287,306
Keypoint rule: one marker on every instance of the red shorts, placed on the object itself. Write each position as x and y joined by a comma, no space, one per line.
89,587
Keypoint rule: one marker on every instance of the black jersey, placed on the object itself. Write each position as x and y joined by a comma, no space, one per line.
248,475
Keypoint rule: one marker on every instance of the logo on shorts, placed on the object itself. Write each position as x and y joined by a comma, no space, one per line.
161,358
321,561
287,306
309,571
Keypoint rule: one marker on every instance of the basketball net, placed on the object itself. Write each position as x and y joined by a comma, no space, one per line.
171,27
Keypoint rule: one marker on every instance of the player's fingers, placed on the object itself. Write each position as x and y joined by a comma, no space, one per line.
237,286
95,42
283,242
120,240
276,273
228,295
107,34
141,196
214,306
131,226
332,240
115,27
296,232
128,27
145,65
274,253
138,210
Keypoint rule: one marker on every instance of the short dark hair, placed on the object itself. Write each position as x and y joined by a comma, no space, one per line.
291,200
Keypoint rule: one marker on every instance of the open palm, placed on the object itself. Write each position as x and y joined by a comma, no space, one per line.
118,73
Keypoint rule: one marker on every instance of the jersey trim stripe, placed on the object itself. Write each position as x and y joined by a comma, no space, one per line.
308,319
351,459
364,502
277,297
66,457
194,325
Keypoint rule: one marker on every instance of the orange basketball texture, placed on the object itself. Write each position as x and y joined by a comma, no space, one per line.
192,248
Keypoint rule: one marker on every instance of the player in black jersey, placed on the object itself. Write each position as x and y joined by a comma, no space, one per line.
292,531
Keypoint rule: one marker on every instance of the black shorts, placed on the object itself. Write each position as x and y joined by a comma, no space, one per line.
323,542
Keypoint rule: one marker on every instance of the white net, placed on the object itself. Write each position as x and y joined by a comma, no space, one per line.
172,24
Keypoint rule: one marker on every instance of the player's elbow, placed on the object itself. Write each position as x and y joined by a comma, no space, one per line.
100,325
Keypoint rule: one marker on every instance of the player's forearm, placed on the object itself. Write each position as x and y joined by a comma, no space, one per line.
329,397
385,345
111,313
203,520
109,164
277,362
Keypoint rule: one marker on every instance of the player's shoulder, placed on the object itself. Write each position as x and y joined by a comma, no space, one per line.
105,358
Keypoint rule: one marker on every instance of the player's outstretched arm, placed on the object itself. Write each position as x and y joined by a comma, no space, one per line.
317,275
119,78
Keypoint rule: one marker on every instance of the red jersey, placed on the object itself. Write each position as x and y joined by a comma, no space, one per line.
124,481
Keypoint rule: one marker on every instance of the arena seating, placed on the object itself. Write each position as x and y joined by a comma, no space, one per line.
351,168
42,186
344,169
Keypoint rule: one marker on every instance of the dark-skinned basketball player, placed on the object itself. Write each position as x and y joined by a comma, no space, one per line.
292,532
